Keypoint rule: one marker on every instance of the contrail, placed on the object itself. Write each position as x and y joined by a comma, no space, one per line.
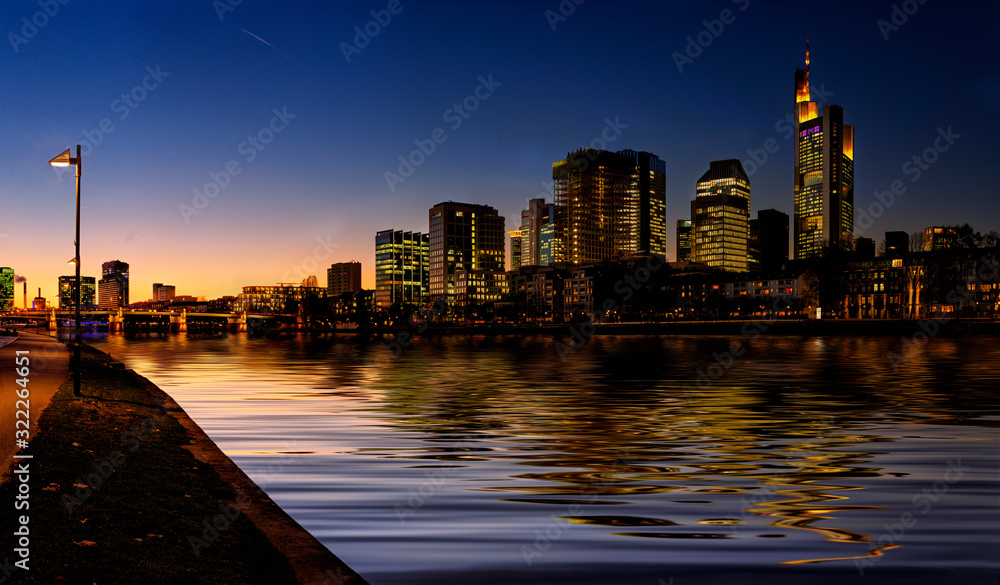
267,43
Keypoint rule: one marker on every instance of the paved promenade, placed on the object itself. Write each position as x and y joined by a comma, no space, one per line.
48,369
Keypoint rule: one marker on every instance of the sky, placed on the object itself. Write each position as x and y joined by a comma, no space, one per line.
234,143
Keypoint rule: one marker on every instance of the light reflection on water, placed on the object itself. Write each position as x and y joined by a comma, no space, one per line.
489,453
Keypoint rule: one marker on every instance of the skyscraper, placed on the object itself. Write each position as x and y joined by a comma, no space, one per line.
463,236
402,268
6,289
772,239
343,277
515,248
615,204
67,292
824,172
720,215
112,289
683,240
532,220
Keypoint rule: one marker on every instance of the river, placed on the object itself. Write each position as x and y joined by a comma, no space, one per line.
627,460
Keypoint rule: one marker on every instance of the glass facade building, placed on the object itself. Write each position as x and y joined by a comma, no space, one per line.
720,216
67,292
463,236
112,289
402,268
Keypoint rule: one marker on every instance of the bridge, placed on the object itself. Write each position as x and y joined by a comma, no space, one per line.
125,320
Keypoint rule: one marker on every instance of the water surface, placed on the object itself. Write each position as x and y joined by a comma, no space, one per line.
475,458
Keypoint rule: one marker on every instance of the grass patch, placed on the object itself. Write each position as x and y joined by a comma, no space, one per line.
115,498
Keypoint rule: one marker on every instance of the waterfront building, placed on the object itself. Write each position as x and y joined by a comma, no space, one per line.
683,240
480,286
402,268
6,288
112,289
68,292
614,204
163,292
552,237
462,236
823,161
277,299
720,216
343,277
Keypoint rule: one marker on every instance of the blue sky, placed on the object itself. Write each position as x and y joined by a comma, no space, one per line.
316,191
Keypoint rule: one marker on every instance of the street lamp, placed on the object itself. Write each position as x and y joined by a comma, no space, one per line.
65,160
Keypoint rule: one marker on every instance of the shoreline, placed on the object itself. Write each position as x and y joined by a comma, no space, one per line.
125,487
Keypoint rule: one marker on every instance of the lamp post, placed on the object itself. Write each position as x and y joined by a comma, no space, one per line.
65,160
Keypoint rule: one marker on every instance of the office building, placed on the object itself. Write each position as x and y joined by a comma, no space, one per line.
68,292
402,268
614,202
515,248
342,277
720,214
772,239
552,237
463,236
163,292
683,240
824,172
6,289
532,220
112,289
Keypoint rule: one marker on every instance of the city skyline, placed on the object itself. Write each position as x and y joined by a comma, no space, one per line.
309,184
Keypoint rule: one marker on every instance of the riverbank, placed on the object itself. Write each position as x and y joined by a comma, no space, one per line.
123,487
758,325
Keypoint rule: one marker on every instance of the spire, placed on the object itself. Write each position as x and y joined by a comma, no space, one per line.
807,54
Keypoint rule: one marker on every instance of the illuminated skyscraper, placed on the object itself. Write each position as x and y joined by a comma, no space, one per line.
615,204
515,248
112,289
720,215
463,236
402,268
824,172
683,240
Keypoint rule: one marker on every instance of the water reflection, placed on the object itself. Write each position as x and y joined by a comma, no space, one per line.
806,445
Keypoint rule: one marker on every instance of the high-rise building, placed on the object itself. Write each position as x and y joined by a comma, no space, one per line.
552,237
402,268
164,292
720,215
67,292
939,237
824,172
772,239
6,289
112,289
615,204
466,236
532,220
683,240
897,244
515,248
342,277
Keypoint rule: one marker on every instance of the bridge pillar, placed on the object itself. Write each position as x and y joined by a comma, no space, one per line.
237,323
115,322
52,323
178,323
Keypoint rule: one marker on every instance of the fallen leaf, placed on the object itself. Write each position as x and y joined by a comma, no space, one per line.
76,444
51,488
85,543
80,485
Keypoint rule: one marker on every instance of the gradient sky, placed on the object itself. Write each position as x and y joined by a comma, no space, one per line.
321,179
